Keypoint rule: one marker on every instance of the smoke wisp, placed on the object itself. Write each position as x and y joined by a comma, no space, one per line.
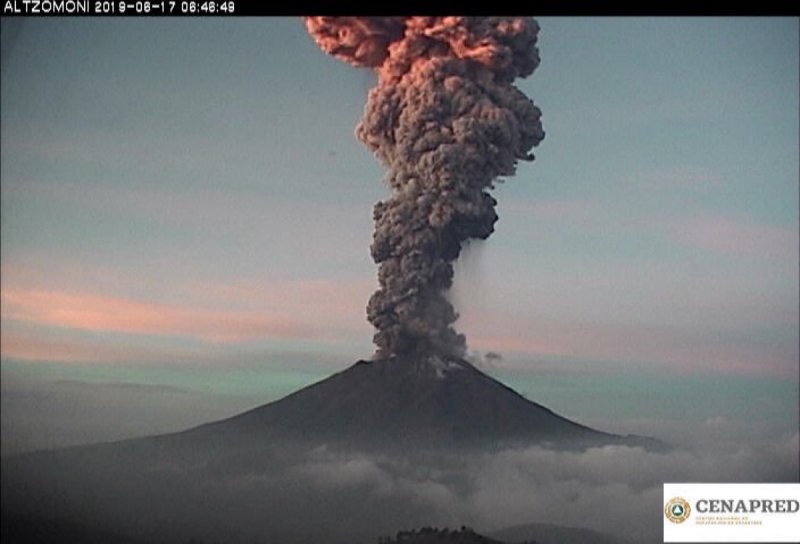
446,121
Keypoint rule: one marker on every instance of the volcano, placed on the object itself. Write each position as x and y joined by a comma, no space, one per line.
310,459
403,403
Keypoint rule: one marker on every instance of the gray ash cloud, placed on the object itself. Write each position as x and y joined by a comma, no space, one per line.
446,121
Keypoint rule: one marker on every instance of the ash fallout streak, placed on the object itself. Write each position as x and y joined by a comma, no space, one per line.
446,120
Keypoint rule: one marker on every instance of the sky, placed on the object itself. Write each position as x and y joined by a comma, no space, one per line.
186,220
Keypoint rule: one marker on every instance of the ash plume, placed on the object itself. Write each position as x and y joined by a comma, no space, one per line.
446,121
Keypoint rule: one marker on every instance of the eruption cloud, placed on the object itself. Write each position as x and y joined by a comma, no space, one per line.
446,120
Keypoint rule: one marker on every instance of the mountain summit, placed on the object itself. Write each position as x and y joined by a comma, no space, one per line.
409,403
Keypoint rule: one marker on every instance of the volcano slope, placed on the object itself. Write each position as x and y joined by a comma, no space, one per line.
353,456
407,404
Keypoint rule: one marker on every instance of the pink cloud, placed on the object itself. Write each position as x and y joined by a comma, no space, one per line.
737,237
39,347
343,298
107,314
656,347
336,308
329,314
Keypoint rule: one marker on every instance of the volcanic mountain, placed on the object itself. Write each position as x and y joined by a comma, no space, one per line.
336,458
408,403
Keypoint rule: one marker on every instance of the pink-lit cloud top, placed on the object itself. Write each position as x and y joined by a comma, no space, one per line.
396,46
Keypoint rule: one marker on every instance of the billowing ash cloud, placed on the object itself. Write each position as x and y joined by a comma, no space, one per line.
446,121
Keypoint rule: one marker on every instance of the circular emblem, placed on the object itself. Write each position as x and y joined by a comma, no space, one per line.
677,510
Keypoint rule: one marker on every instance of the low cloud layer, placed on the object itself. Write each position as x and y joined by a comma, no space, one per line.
613,489
325,495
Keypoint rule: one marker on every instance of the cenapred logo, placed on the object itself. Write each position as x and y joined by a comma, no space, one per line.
677,510
731,512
